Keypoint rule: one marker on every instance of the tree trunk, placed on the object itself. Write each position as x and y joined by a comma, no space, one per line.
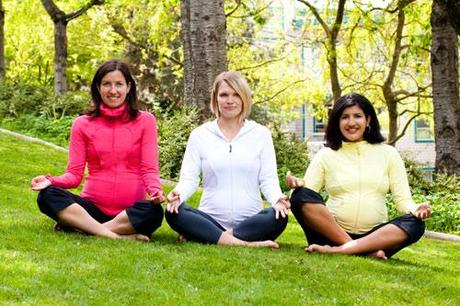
444,66
60,56
387,88
204,40
453,9
333,70
2,41
60,20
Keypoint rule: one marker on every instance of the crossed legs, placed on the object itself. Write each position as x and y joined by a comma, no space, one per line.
257,231
320,222
324,235
74,212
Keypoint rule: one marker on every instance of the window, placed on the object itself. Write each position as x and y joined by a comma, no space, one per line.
427,173
423,131
299,19
319,126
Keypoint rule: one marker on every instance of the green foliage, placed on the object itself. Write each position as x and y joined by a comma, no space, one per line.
29,36
173,131
55,130
443,193
291,155
21,98
68,104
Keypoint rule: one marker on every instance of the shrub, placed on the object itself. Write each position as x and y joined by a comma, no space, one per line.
55,130
443,193
173,131
291,155
18,99
68,104
21,98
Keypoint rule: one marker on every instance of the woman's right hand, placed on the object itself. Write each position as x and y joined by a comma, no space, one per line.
292,181
173,202
39,182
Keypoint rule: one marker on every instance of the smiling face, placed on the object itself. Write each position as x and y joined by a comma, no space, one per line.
113,89
229,102
353,123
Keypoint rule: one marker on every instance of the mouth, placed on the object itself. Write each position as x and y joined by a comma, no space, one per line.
352,130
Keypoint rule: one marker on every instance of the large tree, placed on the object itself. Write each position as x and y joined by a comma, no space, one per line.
444,66
60,20
204,43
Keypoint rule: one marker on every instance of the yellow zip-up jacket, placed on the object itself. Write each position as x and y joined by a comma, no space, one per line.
357,178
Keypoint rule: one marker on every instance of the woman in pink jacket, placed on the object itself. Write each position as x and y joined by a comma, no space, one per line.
118,145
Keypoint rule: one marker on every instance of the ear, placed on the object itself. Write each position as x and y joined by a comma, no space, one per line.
368,121
129,87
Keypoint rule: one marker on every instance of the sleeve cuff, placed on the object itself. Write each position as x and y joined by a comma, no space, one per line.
50,178
412,207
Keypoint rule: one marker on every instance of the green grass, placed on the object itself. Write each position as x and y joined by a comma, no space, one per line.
41,267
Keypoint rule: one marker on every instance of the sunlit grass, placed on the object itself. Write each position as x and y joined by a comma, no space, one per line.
41,267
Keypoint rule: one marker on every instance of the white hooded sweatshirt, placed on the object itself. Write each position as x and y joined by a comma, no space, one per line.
234,172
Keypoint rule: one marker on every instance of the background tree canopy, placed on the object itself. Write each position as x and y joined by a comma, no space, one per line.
307,54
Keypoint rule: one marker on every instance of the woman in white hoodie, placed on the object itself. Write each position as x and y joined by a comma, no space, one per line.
237,159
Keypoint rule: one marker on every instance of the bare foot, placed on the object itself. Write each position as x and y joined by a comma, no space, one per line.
138,237
264,244
58,227
315,248
380,254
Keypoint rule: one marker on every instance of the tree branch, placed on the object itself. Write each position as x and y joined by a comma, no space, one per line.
281,91
238,3
83,9
314,10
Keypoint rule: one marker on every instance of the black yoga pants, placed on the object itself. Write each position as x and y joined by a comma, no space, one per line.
196,225
144,216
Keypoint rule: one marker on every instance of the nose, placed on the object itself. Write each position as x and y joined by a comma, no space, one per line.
231,99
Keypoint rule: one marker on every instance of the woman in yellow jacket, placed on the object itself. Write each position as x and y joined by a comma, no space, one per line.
357,171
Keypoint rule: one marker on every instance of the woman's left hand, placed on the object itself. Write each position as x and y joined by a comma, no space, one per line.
423,211
158,197
282,207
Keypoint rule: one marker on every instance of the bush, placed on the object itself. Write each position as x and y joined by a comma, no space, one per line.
173,132
68,104
21,98
444,195
291,155
55,130
18,99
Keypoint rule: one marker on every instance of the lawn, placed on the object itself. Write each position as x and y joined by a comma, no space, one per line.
41,267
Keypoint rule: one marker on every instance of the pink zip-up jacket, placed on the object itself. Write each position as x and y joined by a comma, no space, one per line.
121,155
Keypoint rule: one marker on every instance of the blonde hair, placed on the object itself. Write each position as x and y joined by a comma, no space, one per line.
239,84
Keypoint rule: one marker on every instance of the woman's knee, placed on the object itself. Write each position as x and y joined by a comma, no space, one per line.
45,197
413,226
300,196
172,218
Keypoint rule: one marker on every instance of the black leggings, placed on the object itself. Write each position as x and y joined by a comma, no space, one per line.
196,225
411,225
144,216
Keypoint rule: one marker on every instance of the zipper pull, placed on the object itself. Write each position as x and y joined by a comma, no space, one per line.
230,151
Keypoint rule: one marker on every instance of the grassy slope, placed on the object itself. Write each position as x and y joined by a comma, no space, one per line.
39,266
